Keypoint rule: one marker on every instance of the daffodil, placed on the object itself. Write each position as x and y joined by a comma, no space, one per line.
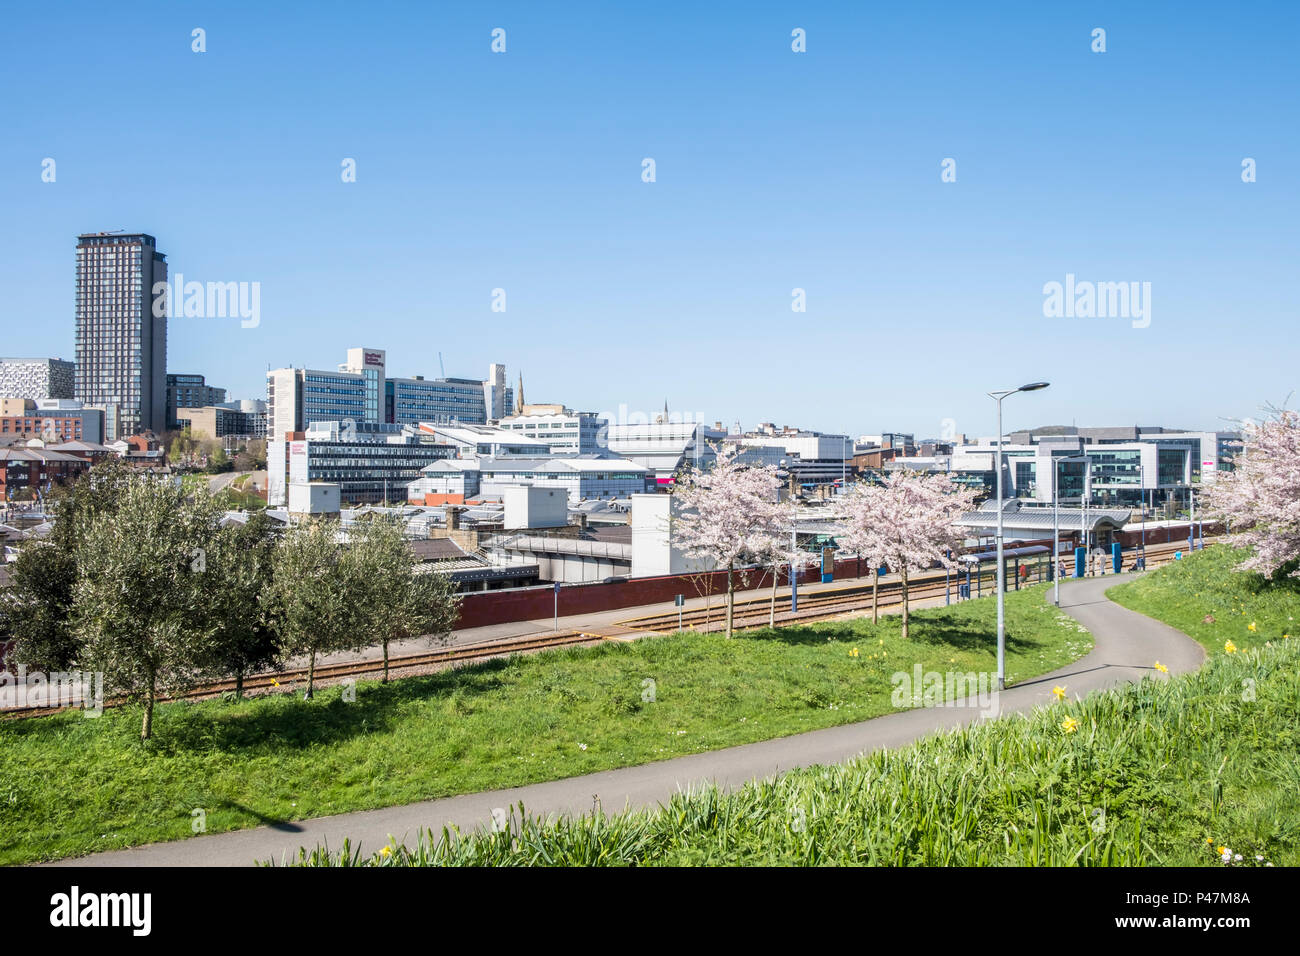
1162,668
1059,692
1069,725
1250,626
386,852
1229,647
853,653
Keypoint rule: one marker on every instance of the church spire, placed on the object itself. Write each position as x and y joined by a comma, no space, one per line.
519,395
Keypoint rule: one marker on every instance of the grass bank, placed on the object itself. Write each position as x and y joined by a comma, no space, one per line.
71,785
1202,596
1168,772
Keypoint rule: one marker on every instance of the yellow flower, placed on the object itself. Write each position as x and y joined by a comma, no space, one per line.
882,640
1250,626
1161,668
386,852
853,653
1222,850
1230,647
1059,692
1069,725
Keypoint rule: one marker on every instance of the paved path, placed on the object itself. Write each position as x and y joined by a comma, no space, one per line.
1127,646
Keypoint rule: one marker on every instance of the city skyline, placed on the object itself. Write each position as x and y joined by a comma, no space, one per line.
775,171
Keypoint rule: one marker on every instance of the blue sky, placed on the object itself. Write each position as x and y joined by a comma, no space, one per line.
775,171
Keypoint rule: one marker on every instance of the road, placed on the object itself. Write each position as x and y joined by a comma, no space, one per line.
226,478
1127,645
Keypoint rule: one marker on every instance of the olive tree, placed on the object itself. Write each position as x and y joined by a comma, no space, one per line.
39,600
312,594
140,606
395,601
238,576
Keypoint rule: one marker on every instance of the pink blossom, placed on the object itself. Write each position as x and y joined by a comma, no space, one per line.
1260,500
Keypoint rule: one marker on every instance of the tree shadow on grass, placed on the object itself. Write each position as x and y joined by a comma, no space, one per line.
282,722
289,723
275,823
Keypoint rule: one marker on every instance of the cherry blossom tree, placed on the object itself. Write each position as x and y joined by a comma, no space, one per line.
907,523
860,532
728,515
776,547
1260,500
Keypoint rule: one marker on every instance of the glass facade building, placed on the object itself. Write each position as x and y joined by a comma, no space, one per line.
442,400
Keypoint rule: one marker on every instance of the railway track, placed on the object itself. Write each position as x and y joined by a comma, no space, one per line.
821,605
290,678
750,612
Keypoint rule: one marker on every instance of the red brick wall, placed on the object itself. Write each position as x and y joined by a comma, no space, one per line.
479,608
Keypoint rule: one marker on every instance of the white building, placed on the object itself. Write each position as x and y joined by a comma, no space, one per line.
485,440
563,430
664,448
653,552
581,477
814,458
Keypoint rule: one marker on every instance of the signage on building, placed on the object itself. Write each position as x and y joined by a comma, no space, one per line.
297,461
374,358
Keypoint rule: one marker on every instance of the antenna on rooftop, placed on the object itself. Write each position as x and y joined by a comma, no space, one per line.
440,366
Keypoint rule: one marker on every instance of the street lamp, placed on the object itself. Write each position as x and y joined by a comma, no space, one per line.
1002,571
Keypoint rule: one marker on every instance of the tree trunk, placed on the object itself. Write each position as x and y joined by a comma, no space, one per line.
903,575
385,680
239,684
731,598
875,595
311,675
146,729
776,576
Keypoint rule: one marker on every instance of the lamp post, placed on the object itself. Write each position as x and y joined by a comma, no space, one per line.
1002,656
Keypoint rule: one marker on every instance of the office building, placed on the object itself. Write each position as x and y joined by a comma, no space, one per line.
121,337
35,378
371,462
413,400
581,477
186,391
664,448
563,430
51,420
218,421
499,401
812,457
484,441
360,390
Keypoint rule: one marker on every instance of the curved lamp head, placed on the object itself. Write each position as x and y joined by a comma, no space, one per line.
1033,386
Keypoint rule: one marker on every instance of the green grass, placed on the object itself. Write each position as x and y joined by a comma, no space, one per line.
71,785
1161,773
237,499
1202,596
